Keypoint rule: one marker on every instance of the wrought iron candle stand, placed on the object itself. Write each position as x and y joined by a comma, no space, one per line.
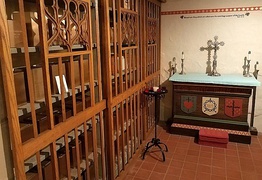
157,95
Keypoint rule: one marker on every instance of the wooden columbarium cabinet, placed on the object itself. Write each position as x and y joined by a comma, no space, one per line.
74,73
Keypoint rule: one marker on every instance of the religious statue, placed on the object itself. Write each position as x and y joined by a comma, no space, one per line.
173,66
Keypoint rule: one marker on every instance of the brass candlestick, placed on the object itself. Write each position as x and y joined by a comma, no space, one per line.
245,66
182,65
248,65
255,73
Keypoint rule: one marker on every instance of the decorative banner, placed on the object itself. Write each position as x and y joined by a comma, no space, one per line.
233,107
210,105
188,103
216,16
217,10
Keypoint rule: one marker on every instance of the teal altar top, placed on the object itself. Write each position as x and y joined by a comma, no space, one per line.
224,79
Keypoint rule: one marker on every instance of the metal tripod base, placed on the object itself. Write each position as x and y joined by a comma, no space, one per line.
155,142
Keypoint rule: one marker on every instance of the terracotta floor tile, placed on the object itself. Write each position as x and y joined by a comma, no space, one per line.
180,157
174,137
190,158
174,171
133,171
206,149
193,152
249,176
154,156
219,163
233,165
258,170
257,156
181,151
205,154
190,166
187,160
203,176
204,169
182,145
148,166
234,174
233,159
219,156
185,139
166,162
194,146
245,160
156,176
205,161
188,174
160,168
128,177
255,148
219,150
248,168
138,163
215,177
171,177
142,173
171,148
231,146
257,162
138,178
218,171
243,147
231,152
245,154
176,163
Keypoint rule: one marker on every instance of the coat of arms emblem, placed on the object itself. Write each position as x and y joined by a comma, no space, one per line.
210,105
188,104
233,107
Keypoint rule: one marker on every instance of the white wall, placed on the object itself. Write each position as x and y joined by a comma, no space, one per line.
189,34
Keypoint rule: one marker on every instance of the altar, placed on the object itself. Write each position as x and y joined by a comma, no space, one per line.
218,102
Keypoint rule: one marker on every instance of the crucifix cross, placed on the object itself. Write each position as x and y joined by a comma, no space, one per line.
209,48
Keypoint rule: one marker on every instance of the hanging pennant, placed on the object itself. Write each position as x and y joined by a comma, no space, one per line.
188,103
210,105
233,107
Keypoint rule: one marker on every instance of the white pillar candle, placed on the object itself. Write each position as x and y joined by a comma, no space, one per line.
248,56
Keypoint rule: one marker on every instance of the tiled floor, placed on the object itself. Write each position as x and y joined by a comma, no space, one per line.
186,160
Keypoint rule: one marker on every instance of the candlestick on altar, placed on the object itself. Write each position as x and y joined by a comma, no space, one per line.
249,55
248,68
182,64
255,73
244,66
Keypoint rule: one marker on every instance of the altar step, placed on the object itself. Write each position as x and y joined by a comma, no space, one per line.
193,130
214,123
